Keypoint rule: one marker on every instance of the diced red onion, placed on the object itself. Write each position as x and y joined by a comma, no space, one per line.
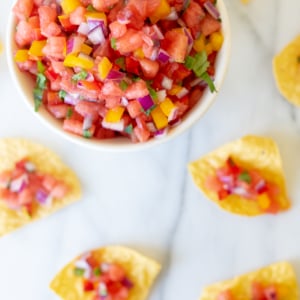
154,54
151,127
41,196
196,82
260,186
161,95
146,102
183,92
102,289
173,114
240,191
83,264
172,15
30,167
119,126
212,10
74,44
161,133
93,23
96,36
158,33
167,83
18,184
226,179
87,122
71,99
115,75
163,56
124,101
105,267
83,29
127,283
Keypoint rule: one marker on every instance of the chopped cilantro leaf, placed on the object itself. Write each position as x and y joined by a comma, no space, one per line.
79,272
200,59
245,176
209,82
202,69
113,43
148,111
62,94
97,272
41,68
189,62
69,113
121,63
80,76
38,98
135,78
129,129
41,81
186,5
123,85
87,134
90,8
152,93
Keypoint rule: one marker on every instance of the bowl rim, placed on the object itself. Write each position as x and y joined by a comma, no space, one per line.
123,144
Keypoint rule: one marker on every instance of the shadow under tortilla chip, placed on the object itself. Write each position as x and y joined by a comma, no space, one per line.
252,153
12,150
280,275
286,68
140,272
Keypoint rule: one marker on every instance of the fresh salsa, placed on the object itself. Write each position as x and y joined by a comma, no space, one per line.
258,291
105,281
109,68
231,179
26,188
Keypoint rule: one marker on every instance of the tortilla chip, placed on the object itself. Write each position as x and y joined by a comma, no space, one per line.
245,1
13,150
281,274
286,68
251,152
141,270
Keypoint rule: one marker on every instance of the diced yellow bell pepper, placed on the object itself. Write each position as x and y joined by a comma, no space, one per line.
36,48
21,56
159,118
263,201
216,40
114,115
86,49
161,12
104,67
174,90
167,106
73,61
139,53
69,6
96,16
199,43
208,48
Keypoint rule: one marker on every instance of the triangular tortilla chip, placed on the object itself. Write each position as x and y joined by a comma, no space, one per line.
251,152
281,274
13,150
286,68
140,269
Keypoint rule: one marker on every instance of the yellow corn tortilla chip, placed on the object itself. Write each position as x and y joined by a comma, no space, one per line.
250,152
13,150
286,68
245,1
141,270
281,274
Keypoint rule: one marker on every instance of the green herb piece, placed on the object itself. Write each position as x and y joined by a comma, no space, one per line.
186,5
97,272
135,78
123,85
38,98
200,60
82,75
152,93
90,8
40,67
69,113
245,176
121,63
41,81
209,82
87,134
113,43
189,62
62,94
78,272
128,129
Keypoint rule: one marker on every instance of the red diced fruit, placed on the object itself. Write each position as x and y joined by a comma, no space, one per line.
116,273
209,25
88,286
193,15
134,108
59,111
226,295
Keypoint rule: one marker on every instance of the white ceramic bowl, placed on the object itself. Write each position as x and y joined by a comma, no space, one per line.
25,86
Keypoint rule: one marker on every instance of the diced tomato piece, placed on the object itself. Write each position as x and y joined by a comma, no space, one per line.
87,108
117,29
257,291
130,41
88,286
75,126
78,16
53,98
142,134
214,184
59,111
103,133
209,25
195,96
60,190
132,65
226,295
66,23
25,34
116,273
55,47
48,15
92,261
271,293
193,15
104,6
137,90
134,108
23,9
167,25
149,67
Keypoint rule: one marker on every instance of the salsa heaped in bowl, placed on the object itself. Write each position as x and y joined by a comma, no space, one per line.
136,69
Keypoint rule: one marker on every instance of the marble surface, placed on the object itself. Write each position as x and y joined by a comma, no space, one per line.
147,200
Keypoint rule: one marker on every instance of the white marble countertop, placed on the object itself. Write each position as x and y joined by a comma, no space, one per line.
147,200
